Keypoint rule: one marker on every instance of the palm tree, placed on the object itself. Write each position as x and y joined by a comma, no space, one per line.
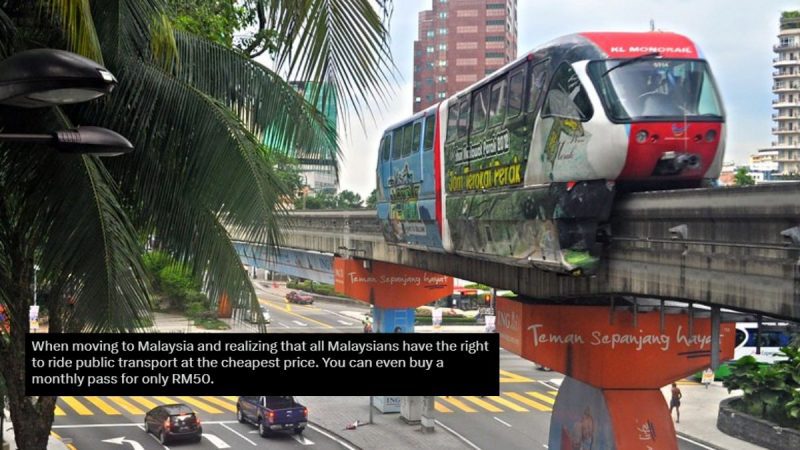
208,125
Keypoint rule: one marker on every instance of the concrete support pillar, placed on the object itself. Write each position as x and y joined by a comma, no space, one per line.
428,421
411,409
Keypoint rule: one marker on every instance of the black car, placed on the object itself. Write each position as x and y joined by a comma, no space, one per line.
169,422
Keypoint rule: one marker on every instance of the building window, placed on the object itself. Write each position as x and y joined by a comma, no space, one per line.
442,63
496,6
430,34
442,95
443,14
429,81
429,49
417,99
495,55
442,79
495,38
442,47
495,22
442,31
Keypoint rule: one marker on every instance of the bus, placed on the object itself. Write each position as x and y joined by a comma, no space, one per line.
772,336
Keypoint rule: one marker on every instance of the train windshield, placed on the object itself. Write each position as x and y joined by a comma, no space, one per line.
656,89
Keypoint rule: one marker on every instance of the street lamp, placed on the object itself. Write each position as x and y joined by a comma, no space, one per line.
48,77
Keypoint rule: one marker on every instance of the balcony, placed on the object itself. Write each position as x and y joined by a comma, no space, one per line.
779,75
787,88
785,103
779,47
784,117
777,62
779,130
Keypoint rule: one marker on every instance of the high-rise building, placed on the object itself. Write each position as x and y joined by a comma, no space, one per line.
318,174
459,43
784,154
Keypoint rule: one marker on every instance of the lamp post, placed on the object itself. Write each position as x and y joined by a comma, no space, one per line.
47,77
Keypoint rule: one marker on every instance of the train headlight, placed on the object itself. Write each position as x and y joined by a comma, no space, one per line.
711,135
641,136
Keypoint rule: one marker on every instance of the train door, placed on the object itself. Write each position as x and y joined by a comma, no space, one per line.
521,113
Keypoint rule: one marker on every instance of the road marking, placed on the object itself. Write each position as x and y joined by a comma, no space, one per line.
694,442
504,402
284,325
229,406
302,324
541,397
232,398
302,439
153,437
458,404
144,402
77,406
552,392
344,322
483,404
105,407
238,434
508,377
307,318
126,405
131,424
219,443
441,408
202,405
454,433
69,446
521,399
59,411
503,422
164,400
335,438
120,440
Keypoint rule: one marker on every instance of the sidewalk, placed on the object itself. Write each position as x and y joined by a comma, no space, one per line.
8,437
387,432
699,409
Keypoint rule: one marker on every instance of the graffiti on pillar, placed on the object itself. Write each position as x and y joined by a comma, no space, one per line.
580,419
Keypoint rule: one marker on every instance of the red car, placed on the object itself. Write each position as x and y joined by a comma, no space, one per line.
297,297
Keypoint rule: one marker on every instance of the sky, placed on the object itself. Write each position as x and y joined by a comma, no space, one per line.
735,36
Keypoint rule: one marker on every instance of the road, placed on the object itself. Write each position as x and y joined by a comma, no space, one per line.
518,418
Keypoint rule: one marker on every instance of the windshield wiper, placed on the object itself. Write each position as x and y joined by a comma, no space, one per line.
632,60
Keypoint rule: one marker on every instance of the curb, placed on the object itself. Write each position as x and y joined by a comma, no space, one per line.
700,441
335,434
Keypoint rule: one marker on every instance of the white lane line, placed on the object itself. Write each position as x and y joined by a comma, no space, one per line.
344,322
503,422
219,443
453,432
302,324
284,325
694,442
238,434
336,439
550,384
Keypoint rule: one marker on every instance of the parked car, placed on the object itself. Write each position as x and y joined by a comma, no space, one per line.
253,317
272,414
299,298
171,422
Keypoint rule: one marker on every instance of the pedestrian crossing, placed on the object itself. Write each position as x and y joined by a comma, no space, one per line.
508,401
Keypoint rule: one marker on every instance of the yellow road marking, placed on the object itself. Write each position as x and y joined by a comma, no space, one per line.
458,404
105,407
59,411
165,400
441,408
508,377
77,406
69,446
528,401
204,406
483,404
504,402
554,393
127,406
231,398
222,403
542,397
144,402
304,317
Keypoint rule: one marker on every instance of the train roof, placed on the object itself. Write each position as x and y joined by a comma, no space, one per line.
427,111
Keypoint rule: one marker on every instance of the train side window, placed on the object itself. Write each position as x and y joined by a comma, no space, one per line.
452,122
566,97
430,127
407,140
386,148
397,143
463,117
417,133
479,106
497,110
538,74
516,86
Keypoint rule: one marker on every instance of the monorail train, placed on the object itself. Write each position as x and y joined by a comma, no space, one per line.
522,167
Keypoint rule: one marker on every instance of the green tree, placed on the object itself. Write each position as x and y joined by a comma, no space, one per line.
372,200
349,200
741,178
197,113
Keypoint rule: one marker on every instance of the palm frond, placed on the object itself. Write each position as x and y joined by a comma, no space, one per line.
76,22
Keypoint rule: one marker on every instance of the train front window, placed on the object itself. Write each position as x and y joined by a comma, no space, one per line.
656,89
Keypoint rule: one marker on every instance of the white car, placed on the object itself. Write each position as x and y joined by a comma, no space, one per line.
264,313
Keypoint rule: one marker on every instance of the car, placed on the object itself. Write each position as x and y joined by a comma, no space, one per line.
173,422
272,414
253,317
299,298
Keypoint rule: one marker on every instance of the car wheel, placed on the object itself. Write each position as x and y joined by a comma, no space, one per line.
146,427
240,415
262,430
198,438
299,430
162,437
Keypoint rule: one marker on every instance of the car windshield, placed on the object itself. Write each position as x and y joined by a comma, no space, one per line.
656,89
